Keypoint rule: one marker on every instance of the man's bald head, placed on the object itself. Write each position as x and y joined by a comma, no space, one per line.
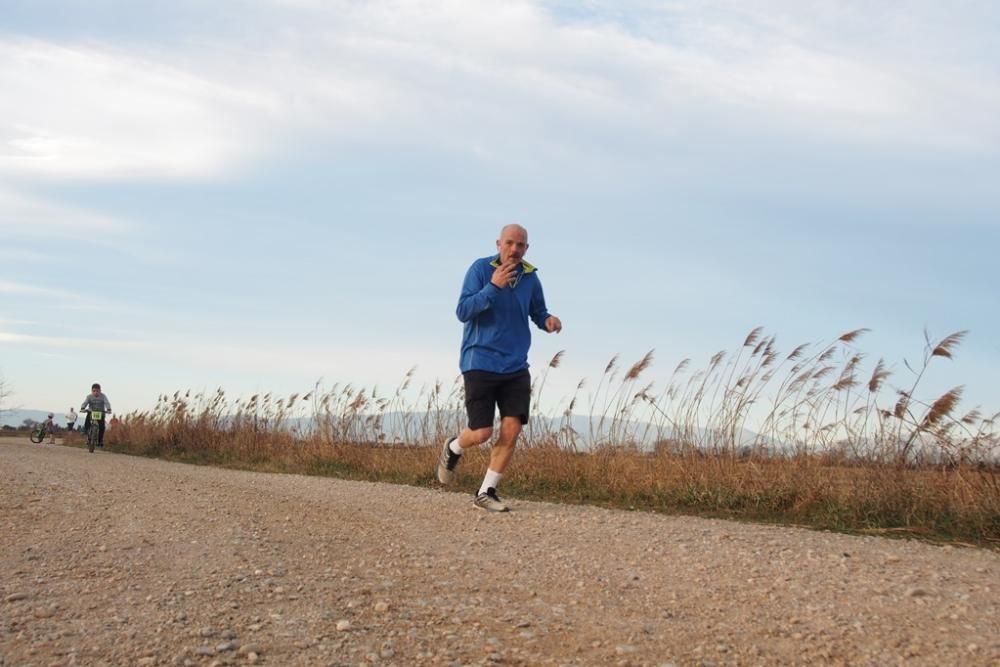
513,243
514,229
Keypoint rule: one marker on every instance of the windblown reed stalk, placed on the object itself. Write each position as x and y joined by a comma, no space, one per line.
800,437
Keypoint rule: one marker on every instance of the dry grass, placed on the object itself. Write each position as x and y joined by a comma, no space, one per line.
831,446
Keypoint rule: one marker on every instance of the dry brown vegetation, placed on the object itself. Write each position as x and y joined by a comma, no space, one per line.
831,446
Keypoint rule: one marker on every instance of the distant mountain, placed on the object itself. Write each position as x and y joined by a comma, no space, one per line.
410,426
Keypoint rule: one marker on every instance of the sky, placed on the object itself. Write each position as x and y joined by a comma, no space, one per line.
262,194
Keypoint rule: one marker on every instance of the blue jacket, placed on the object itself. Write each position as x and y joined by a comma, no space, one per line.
496,336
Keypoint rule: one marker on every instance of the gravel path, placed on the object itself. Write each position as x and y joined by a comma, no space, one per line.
108,559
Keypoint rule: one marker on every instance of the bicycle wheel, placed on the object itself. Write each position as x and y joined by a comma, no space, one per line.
37,436
93,434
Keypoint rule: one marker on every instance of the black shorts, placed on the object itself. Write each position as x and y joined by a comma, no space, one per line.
485,391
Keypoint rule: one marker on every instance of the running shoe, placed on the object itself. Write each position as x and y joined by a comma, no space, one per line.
490,501
447,462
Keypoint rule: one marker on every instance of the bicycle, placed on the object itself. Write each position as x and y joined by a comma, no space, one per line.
94,430
39,433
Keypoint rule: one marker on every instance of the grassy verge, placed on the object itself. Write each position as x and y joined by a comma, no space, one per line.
944,504
806,437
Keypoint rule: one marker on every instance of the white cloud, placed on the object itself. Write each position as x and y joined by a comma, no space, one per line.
342,362
63,298
65,342
92,111
348,361
483,75
8,287
11,253
510,80
27,221
42,218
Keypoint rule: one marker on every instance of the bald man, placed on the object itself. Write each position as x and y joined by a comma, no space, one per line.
501,293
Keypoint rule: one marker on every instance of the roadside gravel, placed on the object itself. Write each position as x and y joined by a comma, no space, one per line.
108,559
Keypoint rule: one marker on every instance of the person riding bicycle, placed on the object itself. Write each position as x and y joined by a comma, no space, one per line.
97,402
50,428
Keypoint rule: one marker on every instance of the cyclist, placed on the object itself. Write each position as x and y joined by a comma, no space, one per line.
97,401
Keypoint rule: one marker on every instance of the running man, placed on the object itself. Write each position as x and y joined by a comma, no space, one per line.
499,296
96,401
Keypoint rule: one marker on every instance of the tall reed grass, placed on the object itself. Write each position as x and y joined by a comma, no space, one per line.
806,436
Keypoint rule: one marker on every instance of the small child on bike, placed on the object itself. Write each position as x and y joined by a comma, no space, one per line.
50,429
96,401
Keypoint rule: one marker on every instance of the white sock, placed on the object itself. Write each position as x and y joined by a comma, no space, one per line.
492,479
455,447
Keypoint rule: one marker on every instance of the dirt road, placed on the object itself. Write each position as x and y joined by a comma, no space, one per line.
107,559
